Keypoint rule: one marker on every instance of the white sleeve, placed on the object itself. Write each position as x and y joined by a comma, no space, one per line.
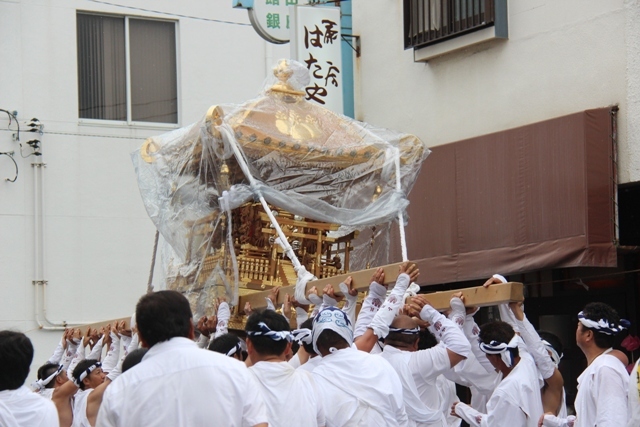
611,400
350,302
224,314
553,421
470,415
79,357
536,348
96,351
471,331
370,306
507,316
135,343
431,362
472,373
57,353
113,354
125,341
446,331
69,354
387,312
327,301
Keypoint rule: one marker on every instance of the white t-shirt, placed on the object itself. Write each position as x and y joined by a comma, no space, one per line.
290,395
515,402
179,384
359,389
418,410
602,393
22,407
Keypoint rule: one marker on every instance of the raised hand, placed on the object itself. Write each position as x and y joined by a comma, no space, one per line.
411,269
378,276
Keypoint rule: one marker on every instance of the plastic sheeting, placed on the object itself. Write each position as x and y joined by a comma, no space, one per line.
302,159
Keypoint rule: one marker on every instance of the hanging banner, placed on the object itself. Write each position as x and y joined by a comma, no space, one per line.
316,42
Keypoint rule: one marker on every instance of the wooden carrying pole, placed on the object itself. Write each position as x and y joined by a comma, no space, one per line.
479,296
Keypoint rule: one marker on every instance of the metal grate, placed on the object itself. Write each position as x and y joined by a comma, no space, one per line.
428,22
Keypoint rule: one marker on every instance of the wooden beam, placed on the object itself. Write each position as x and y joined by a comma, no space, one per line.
479,296
99,325
361,281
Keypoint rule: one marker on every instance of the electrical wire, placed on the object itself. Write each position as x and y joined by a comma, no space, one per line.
12,116
10,155
221,21
90,135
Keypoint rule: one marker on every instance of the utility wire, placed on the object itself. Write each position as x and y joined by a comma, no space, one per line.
221,21
89,135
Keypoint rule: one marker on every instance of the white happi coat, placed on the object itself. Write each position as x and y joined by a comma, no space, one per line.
515,402
179,384
412,367
311,364
290,395
602,393
22,407
359,389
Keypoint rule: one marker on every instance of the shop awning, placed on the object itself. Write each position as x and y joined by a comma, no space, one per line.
534,197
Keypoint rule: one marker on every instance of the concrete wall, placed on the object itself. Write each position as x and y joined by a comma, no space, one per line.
561,57
98,238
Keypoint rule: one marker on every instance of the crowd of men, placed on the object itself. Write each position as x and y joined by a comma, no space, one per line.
396,364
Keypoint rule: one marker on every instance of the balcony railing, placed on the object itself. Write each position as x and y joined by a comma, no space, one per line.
428,22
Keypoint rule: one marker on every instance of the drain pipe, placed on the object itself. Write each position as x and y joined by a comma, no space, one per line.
40,251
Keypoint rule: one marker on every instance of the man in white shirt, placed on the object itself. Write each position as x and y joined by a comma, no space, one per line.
419,369
358,389
516,401
290,394
177,383
50,377
19,406
602,388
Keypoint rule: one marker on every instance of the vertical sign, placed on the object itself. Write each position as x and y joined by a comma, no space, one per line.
317,44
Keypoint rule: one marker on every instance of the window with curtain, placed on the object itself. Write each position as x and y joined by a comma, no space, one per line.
105,62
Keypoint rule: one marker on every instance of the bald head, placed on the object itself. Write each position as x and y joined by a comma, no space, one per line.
404,322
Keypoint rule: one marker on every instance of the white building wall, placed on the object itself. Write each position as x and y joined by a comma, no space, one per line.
561,57
98,238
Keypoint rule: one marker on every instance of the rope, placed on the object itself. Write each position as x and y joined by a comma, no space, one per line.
403,238
254,186
153,263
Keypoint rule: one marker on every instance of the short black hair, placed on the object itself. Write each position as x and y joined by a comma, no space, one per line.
499,331
274,321
163,315
45,371
224,343
597,311
427,339
16,355
133,358
82,366
328,339
552,339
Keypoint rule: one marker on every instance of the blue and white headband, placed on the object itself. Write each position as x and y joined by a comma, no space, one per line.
303,336
412,331
334,319
503,349
603,326
236,348
265,331
86,373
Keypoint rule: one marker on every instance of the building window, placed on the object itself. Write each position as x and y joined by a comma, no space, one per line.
427,22
127,69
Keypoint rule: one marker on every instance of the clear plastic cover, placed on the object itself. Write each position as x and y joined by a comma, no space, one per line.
325,175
